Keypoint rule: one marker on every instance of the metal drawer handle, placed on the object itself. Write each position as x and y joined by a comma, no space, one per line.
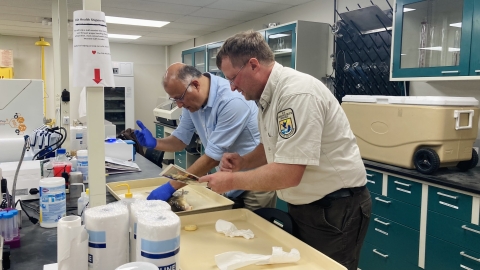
477,71
370,181
450,72
402,184
468,256
369,175
380,200
464,267
384,223
470,229
446,195
383,255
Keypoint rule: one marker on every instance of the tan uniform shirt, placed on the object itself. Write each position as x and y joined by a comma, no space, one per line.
301,122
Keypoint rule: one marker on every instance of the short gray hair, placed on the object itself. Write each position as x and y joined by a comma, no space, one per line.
188,73
243,46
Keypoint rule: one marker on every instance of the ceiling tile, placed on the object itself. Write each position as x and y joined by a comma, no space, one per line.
25,11
226,14
286,2
140,14
207,21
152,6
195,3
249,6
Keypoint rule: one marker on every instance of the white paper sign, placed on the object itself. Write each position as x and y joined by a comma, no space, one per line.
92,64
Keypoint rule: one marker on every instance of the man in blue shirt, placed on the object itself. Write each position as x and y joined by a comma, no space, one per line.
223,119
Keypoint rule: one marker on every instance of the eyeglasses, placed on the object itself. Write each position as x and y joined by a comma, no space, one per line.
183,95
232,81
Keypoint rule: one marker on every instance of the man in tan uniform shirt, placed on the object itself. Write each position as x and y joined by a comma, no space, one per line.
308,153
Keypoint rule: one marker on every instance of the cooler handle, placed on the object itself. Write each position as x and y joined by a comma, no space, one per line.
456,115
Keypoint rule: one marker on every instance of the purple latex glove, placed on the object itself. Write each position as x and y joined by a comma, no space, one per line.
163,192
144,136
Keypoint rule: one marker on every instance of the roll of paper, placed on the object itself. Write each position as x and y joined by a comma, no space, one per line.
107,226
141,206
72,244
158,239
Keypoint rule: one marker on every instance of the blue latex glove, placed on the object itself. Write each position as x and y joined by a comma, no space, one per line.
163,192
145,137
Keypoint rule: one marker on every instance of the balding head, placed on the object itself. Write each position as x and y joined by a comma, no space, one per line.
180,73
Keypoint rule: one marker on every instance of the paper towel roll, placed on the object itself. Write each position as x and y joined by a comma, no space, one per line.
107,226
142,206
158,239
72,244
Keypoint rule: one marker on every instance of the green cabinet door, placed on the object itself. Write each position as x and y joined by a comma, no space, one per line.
181,159
400,212
375,182
159,129
441,255
283,42
432,38
390,235
450,203
453,230
404,190
375,258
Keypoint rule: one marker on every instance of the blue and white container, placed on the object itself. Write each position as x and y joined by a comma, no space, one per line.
82,164
158,239
52,201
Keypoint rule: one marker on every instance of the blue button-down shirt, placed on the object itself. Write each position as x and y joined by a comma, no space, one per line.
227,123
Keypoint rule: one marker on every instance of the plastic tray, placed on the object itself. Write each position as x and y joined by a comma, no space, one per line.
198,248
200,198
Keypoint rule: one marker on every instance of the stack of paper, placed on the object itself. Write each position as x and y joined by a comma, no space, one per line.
117,166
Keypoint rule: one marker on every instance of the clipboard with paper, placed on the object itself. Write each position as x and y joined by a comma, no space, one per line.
177,173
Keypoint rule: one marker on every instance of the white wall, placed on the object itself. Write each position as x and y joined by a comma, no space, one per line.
149,68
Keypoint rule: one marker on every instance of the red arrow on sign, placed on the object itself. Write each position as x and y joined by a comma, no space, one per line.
97,76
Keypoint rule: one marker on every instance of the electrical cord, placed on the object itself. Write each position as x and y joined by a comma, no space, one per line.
32,219
58,144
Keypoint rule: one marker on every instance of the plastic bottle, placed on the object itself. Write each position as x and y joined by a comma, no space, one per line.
82,164
62,166
7,218
82,203
47,168
74,162
128,200
52,201
15,222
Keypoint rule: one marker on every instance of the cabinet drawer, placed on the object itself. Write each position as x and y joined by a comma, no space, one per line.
453,230
159,131
374,258
441,255
374,181
400,212
404,190
389,235
450,203
181,154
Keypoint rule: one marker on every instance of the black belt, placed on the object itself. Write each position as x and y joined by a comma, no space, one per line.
338,194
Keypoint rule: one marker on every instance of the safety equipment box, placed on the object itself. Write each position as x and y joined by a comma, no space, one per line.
422,132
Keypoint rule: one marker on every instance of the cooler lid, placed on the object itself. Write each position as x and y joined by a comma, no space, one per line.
414,100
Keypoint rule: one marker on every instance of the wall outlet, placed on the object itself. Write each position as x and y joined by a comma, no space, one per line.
66,120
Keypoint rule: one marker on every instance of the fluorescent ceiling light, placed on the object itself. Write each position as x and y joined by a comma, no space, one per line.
408,9
450,49
138,22
278,35
403,54
458,24
122,36
431,48
284,50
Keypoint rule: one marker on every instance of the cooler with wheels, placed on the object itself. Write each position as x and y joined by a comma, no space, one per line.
421,132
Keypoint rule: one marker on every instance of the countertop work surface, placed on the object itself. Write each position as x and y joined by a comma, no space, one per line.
468,181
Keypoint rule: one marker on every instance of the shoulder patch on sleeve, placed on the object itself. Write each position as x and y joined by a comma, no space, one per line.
286,123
